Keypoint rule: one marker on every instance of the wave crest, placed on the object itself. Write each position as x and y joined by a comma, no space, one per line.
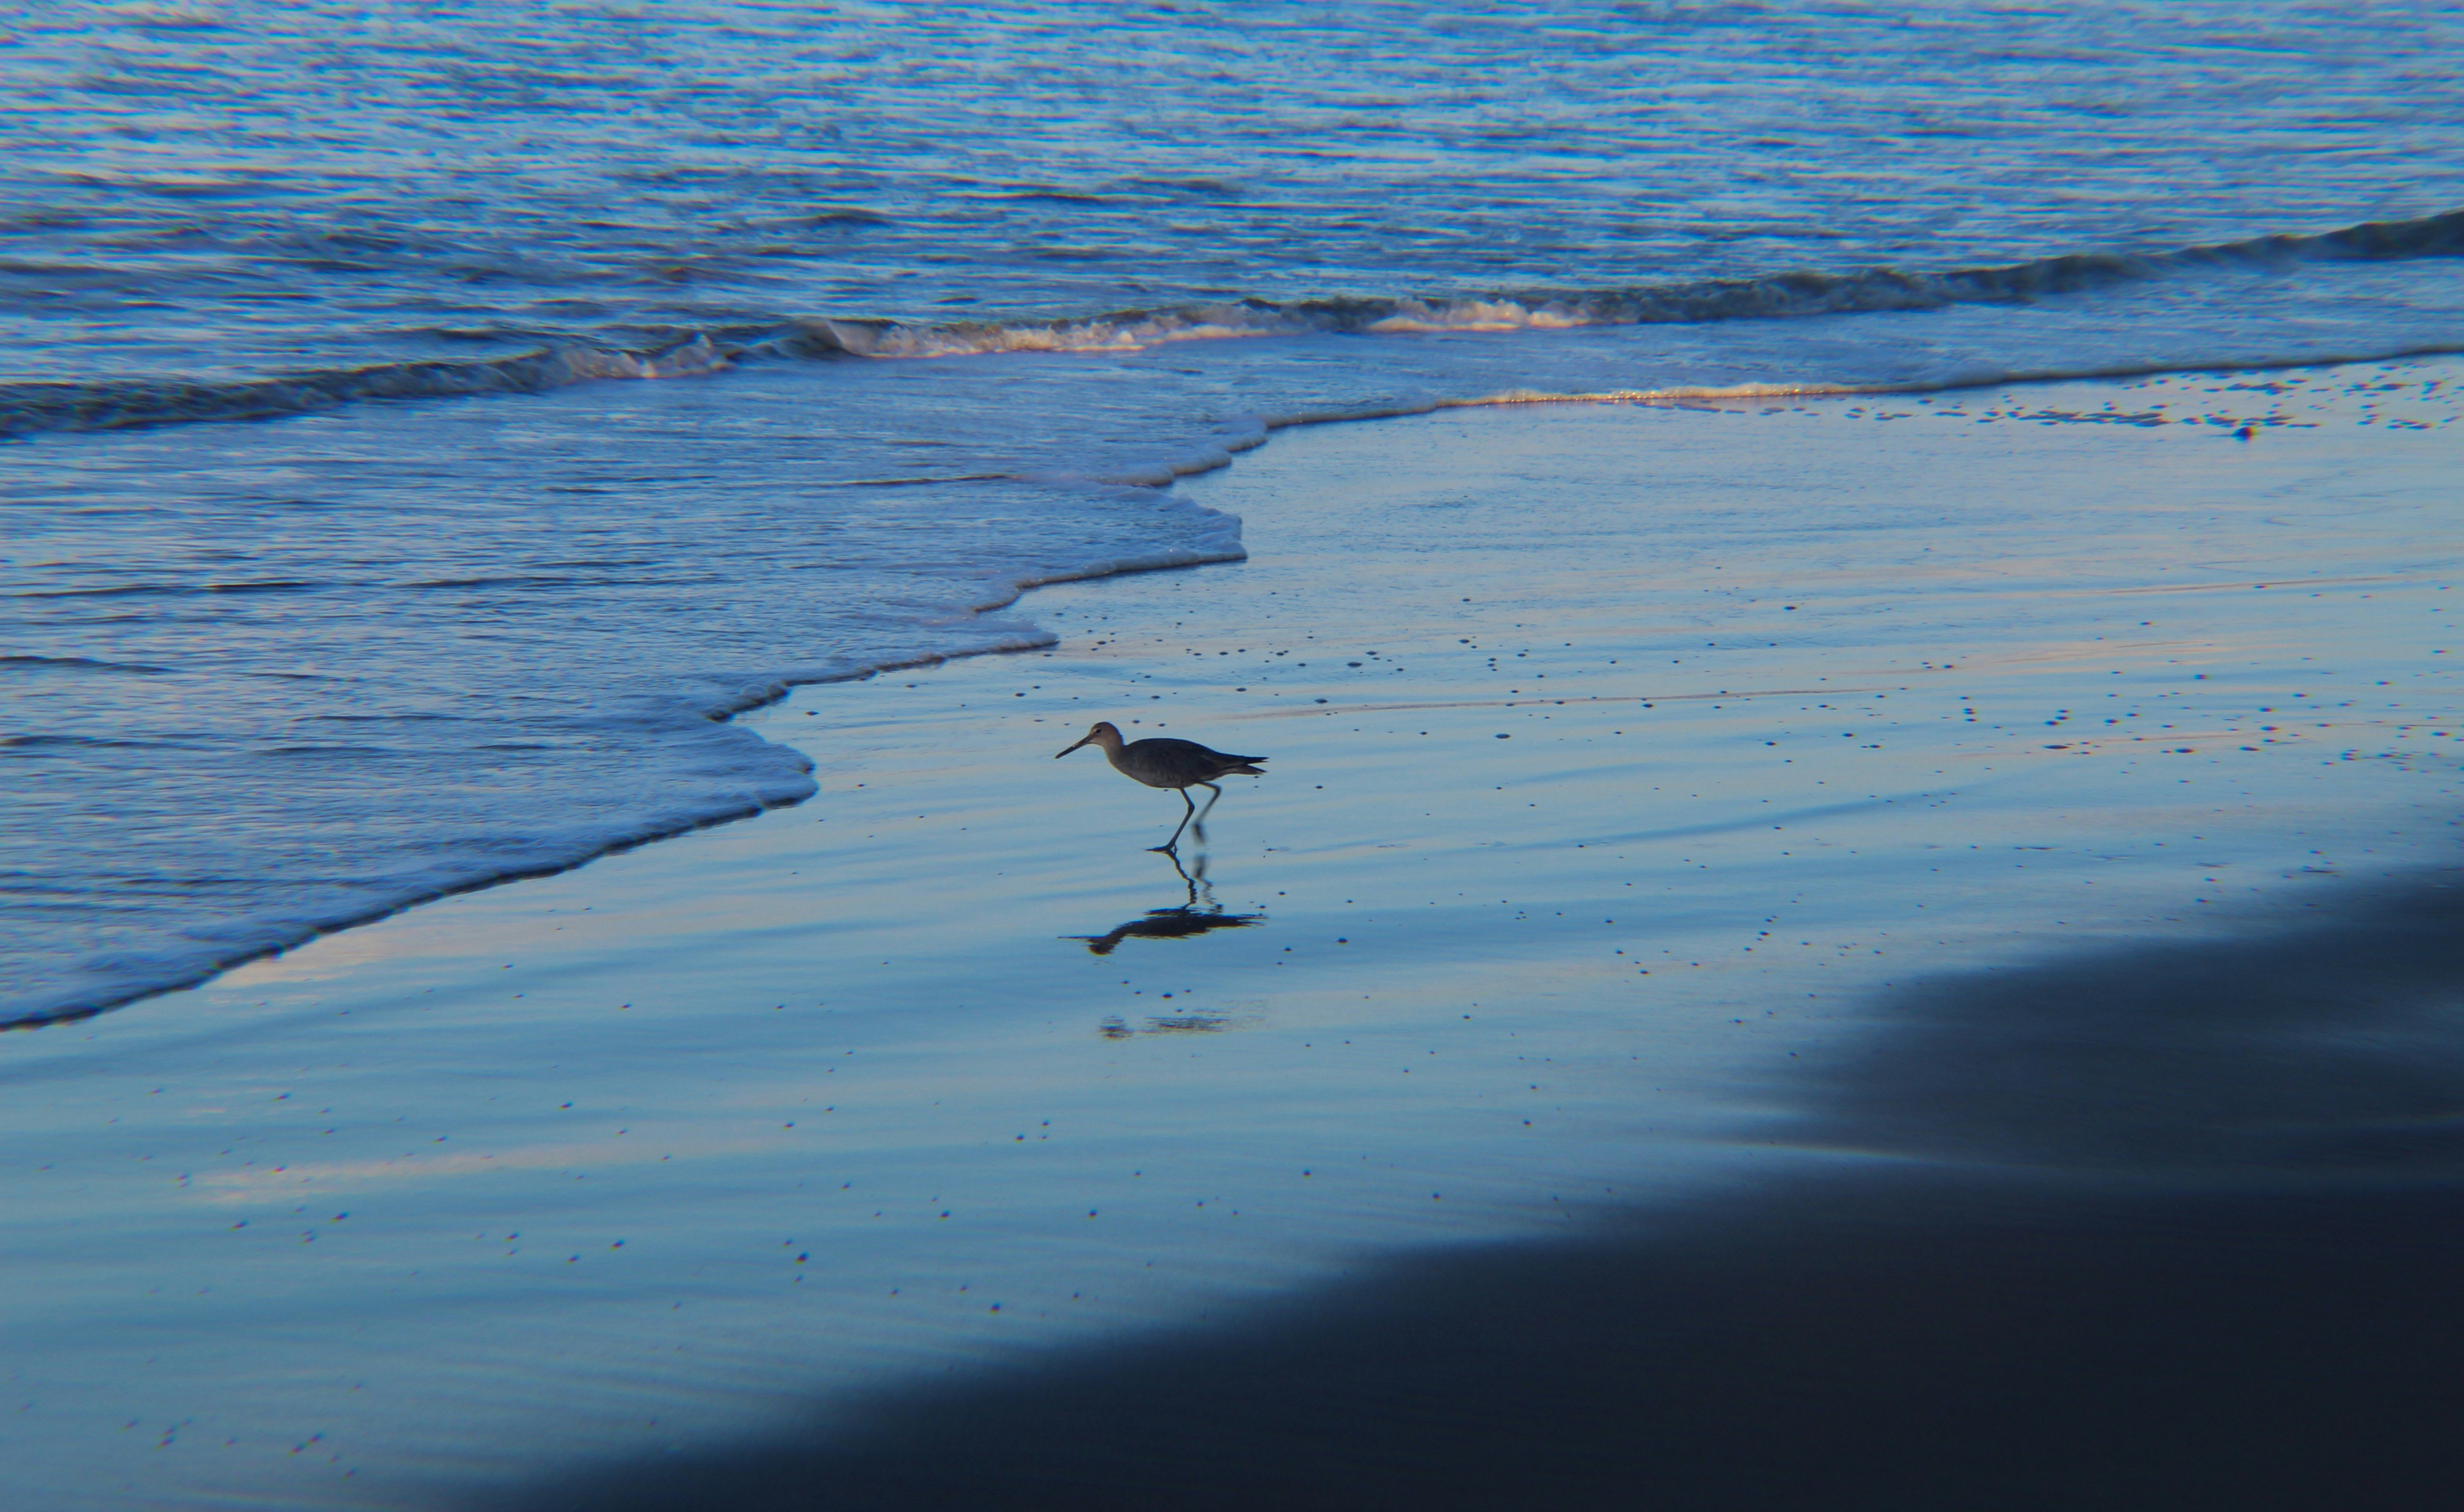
1775,296
30,407
122,404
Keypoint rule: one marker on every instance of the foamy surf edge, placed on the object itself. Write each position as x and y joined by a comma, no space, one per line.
769,775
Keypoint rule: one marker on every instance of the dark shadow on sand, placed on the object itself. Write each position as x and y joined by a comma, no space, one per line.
2174,1227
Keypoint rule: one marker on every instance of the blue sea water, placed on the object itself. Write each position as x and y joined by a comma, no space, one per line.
425,422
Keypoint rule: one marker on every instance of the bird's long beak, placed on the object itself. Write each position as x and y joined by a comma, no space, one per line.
1073,748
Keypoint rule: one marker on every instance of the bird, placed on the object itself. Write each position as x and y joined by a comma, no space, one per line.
1159,762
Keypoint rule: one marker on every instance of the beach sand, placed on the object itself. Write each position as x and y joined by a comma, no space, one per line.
1816,952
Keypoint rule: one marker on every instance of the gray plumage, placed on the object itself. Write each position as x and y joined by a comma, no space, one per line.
1160,761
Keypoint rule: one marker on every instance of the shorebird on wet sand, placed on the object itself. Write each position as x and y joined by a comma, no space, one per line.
1179,764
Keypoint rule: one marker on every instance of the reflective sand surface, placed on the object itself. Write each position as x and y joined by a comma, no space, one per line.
1660,759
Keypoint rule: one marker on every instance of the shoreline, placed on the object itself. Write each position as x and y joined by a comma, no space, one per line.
752,701
756,698
761,1129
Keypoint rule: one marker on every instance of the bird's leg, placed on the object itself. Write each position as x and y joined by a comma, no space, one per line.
1200,828
1172,847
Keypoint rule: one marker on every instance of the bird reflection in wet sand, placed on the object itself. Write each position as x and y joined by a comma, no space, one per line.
1117,1027
1160,761
1200,914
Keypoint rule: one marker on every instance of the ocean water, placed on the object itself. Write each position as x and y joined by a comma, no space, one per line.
427,422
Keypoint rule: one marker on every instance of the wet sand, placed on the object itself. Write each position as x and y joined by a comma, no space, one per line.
1784,947
2234,1291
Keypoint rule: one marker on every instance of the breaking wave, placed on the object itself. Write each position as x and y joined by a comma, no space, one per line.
1776,296
33,407
122,404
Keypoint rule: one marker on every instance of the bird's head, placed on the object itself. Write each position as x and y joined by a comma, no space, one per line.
1102,736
